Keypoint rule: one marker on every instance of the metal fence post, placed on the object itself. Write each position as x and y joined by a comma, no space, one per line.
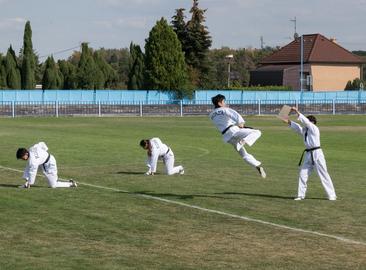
181,108
259,107
99,109
13,109
140,109
334,107
56,105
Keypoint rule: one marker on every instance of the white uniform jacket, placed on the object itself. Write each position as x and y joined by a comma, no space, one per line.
225,117
158,150
310,134
38,155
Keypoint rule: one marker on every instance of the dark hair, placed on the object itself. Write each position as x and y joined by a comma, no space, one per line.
312,119
143,143
216,99
21,152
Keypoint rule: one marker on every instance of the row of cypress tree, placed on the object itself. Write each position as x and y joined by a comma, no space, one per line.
176,58
19,73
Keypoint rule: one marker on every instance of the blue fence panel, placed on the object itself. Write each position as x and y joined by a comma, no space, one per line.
49,96
153,96
8,95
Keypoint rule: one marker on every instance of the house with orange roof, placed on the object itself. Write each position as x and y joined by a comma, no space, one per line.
326,65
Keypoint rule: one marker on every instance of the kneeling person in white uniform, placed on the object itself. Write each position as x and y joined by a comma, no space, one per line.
36,156
158,150
232,127
314,156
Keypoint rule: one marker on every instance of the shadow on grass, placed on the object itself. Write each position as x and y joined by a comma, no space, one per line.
130,173
258,195
267,196
9,185
179,196
18,186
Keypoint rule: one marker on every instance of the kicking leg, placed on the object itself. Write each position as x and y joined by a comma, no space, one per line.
251,160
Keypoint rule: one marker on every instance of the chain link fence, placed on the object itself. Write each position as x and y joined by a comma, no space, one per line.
175,108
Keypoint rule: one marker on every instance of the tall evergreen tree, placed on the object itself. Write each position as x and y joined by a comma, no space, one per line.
68,74
198,43
89,74
29,59
13,77
180,28
51,76
165,68
2,73
136,68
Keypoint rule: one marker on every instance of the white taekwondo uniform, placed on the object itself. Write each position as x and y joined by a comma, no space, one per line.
38,156
227,120
159,150
314,157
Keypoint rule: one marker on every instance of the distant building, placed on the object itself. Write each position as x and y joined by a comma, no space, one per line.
326,65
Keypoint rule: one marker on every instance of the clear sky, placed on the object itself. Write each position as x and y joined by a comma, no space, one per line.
58,25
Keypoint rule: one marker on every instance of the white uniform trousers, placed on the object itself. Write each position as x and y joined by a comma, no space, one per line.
168,160
50,171
320,167
250,136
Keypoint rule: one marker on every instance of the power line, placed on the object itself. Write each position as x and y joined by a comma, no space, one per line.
59,52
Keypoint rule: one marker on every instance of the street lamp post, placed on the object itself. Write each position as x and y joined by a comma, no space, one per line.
301,63
229,57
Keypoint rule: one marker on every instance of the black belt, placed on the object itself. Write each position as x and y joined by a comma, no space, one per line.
311,151
47,159
167,151
226,129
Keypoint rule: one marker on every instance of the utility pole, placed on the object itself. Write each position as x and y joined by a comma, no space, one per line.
296,35
262,43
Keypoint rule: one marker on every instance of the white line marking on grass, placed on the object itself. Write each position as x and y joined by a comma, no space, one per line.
203,150
340,238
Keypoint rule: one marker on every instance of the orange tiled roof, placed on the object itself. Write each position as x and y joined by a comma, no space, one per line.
317,49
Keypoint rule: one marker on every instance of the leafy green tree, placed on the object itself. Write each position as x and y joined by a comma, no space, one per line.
136,72
165,68
52,78
13,77
119,60
89,74
68,74
244,60
28,59
109,74
355,84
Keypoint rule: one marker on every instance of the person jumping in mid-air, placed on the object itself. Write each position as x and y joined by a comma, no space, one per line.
232,127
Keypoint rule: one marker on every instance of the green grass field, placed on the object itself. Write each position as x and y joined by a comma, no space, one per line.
115,220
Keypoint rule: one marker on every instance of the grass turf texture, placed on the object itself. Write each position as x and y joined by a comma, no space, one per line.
93,228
